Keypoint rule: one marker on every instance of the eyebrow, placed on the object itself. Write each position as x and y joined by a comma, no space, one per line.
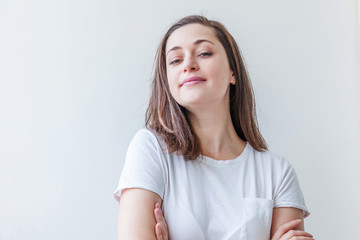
197,42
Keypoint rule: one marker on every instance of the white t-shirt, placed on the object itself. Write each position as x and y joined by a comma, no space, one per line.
207,199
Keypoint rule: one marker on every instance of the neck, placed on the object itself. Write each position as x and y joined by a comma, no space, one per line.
216,133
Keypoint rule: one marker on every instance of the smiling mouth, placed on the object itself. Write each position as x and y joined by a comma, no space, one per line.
192,81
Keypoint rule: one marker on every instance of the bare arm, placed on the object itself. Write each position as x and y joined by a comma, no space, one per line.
283,215
136,217
288,223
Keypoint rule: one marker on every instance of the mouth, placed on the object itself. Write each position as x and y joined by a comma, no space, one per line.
192,80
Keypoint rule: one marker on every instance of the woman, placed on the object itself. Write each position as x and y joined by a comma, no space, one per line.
202,157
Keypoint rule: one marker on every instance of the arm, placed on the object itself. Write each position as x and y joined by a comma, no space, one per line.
136,218
287,222
283,215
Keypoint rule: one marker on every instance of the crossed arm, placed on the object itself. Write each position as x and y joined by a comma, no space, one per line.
137,221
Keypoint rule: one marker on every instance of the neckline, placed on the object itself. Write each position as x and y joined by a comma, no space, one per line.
236,160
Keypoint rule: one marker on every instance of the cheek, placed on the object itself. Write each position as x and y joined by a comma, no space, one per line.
172,81
221,78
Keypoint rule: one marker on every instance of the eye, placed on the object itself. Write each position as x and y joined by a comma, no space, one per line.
174,62
204,54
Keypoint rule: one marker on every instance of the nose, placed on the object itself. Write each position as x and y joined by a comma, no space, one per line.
190,65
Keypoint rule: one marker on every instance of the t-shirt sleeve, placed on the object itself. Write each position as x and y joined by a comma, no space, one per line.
288,193
143,166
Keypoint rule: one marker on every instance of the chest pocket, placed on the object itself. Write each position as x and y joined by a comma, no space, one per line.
257,217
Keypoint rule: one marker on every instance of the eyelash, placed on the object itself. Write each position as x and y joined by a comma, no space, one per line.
205,54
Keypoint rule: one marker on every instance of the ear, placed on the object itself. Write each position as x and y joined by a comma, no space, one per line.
233,81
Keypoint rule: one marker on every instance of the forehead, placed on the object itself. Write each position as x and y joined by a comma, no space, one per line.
188,34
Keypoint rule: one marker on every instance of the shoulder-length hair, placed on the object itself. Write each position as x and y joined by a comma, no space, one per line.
171,121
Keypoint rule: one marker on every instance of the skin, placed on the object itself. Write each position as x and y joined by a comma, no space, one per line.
136,220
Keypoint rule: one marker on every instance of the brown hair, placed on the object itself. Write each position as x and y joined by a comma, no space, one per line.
170,120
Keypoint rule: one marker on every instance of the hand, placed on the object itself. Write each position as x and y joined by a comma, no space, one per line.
287,232
161,228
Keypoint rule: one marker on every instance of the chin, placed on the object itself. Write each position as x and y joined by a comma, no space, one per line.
193,103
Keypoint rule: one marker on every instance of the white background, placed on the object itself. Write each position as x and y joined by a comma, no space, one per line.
74,86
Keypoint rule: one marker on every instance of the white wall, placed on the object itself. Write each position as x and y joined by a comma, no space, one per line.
74,85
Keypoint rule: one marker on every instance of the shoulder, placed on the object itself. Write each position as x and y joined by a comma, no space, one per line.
144,136
144,133
147,138
269,157
271,161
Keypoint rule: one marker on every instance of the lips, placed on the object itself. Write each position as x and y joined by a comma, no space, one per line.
192,79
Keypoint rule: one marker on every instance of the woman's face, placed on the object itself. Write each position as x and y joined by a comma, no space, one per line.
197,68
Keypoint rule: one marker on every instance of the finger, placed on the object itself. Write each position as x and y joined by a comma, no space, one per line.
285,228
157,215
163,221
301,238
164,229
160,220
159,235
296,233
